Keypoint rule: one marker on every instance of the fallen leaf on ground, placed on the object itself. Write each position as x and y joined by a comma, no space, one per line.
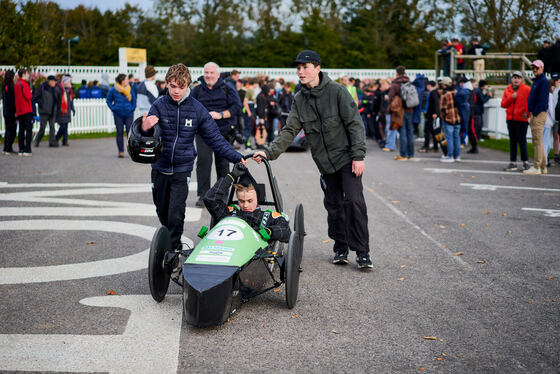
473,177
458,254
328,289
334,331
370,189
550,278
441,226
400,279
276,290
422,369
430,337
294,316
554,300
90,243
487,213
463,225
110,292
403,266
395,201
439,358
443,246
443,354
481,262
487,225
504,214
326,241
510,232
528,301
227,320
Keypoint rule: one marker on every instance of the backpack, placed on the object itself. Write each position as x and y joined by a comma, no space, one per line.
409,95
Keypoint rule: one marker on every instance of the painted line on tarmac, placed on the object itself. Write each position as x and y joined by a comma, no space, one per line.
450,171
191,214
492,187
40,274
547,212
419,229
492,162
149,344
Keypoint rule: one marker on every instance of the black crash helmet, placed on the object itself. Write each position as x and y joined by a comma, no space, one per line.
144,149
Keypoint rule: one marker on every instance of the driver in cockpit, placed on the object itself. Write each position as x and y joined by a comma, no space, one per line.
269,224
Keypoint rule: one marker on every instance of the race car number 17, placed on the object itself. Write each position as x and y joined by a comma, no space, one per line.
226,232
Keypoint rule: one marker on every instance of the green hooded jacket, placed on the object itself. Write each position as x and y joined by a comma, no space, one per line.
333,126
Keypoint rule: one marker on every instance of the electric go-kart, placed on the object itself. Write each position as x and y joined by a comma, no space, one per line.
230,265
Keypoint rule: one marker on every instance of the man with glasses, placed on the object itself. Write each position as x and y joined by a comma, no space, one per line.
538,105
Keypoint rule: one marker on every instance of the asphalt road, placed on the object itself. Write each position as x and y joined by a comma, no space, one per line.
464,254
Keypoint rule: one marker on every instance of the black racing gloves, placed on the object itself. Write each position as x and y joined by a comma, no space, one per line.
238,170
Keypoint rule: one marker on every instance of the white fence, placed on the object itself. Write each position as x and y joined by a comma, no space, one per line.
90,73
94,116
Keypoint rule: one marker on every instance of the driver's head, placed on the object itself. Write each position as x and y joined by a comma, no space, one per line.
246,197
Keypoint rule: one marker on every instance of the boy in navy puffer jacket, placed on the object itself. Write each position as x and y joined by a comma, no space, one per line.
180,117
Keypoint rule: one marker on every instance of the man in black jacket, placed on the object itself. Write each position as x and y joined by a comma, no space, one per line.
222,102
432,114
270,225
477,120
47,97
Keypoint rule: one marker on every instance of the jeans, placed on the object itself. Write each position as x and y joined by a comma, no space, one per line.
452,137
465,113
517,131
62,133
547,142
391,135
10,135
120,124
406,133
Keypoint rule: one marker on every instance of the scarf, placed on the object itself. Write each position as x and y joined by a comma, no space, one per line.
64,102
124,91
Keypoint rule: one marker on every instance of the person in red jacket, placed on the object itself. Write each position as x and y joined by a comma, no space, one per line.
515,101
24,112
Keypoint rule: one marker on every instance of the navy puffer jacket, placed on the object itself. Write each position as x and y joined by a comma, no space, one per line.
179,124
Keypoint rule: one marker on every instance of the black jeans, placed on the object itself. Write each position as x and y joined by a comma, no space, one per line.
25,134
10,135
475,130
170,197
346,210
517,131
62,133
44,119
429,132
204,166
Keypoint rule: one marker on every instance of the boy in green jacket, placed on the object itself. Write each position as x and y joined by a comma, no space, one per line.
335,132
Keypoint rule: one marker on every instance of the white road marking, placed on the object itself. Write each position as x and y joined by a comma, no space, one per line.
192,185
149,344
37,274
418,228
191,214
547,212
463,161
492,187
465,171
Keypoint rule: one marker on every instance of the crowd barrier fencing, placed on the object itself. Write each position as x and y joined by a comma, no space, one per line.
91,73
94,116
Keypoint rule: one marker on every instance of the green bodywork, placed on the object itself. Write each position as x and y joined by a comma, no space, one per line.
232,242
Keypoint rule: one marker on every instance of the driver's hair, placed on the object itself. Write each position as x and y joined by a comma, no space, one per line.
242,188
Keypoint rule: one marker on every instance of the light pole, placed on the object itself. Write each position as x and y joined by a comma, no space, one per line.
70,40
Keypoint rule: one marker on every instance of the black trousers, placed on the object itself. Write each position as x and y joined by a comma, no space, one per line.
10,134
517,131
346,210
170,197
475,129
25,134
429,132
204,166
44,119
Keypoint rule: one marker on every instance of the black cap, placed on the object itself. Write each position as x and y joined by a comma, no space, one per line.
247,180
51,78
306,56
555,76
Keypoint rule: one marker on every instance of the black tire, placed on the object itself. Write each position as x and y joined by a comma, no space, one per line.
299,224
291,266
158,277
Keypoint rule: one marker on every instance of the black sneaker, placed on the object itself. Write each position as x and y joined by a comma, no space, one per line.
526,165
340,258
511,167
364,261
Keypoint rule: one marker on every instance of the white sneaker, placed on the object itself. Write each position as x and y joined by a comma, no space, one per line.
447,159
458,159
532,170
544,171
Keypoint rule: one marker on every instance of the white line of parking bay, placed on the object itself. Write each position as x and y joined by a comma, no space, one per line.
449,171
492,187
